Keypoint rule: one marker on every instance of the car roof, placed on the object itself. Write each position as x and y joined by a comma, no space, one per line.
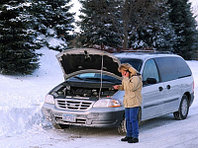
142,56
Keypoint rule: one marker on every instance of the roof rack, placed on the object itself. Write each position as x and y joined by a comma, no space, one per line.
146,50
134,50
137,50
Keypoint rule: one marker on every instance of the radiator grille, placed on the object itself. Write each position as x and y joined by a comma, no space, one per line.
73,104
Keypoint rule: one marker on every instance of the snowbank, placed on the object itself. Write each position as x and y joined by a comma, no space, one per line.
22,97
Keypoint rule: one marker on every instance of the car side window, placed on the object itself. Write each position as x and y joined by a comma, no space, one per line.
150,71
171,68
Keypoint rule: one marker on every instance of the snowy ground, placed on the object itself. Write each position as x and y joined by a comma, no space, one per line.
22,124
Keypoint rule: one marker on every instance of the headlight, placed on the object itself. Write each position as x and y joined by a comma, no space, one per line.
107,103
49,99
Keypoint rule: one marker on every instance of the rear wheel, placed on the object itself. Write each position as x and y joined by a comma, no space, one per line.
182,113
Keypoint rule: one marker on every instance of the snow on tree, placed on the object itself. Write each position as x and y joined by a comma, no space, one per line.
101,23
54,20
17,47
156,33
146,25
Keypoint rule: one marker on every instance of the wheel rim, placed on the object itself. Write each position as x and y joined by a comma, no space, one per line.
184,107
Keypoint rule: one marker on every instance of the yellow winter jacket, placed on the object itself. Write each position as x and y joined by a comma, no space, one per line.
132,87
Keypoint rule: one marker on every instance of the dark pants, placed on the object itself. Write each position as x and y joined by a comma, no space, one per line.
131,115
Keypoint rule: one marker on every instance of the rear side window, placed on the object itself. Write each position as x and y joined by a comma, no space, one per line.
171,68
183,68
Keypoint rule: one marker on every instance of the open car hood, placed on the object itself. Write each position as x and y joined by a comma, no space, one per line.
84,60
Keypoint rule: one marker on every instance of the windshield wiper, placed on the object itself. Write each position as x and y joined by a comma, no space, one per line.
78,78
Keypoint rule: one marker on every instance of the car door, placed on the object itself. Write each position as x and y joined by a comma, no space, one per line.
168,69
152,92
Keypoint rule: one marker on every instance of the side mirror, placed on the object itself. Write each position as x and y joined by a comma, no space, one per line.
151,81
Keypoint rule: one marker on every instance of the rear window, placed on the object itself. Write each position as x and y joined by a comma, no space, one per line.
136,63
171,68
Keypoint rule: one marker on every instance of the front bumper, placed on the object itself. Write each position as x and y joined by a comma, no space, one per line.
95,117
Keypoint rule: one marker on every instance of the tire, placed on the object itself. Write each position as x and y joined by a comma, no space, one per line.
182,112
60,126
122,127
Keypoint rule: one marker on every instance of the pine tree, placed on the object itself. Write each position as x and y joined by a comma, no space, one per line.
53,19
154,37
185,27
17,48
156,33
146,25
101,23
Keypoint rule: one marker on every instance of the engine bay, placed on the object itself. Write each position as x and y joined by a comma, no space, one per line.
90,90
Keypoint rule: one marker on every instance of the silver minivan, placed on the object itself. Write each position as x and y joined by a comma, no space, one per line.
87,97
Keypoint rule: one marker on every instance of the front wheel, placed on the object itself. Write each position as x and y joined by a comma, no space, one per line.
182,113
60,126
122,127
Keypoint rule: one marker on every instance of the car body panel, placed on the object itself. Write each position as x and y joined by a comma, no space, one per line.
153,101
94,117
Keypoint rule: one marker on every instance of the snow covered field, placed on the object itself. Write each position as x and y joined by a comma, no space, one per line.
22,124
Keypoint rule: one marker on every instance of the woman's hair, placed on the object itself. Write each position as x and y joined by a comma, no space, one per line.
127,67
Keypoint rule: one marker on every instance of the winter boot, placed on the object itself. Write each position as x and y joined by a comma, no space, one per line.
133,140
126,138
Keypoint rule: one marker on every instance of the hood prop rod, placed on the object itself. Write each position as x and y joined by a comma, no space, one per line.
101,77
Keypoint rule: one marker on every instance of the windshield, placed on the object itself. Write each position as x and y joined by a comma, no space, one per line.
96,77
136,63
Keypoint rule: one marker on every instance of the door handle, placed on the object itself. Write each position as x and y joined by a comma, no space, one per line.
160,88
168,86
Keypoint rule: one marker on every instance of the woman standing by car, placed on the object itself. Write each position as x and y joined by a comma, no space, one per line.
132,85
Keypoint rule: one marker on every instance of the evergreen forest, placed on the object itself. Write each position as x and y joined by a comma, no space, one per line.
111,25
